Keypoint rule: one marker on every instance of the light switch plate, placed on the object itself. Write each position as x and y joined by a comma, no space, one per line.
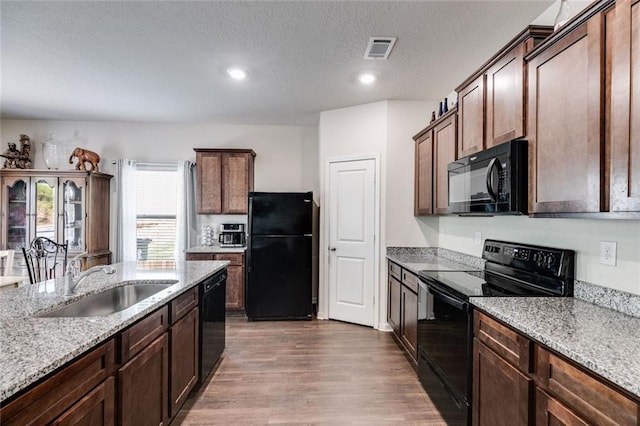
608,252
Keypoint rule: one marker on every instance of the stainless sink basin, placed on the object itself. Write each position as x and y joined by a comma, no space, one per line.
110,301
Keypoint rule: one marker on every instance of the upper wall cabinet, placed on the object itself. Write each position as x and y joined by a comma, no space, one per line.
566,133
224,178
491,106
435,149
423,196
471,118
625,108
444,152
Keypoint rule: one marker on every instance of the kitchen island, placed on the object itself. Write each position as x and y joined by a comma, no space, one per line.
33,347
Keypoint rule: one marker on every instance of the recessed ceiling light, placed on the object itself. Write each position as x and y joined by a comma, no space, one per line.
237,73
366,78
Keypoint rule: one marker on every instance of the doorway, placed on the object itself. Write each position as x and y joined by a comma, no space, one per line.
352,222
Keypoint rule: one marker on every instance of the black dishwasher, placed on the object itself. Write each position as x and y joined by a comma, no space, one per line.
212,321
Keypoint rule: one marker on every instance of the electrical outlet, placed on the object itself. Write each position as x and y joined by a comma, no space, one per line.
478,238
608,252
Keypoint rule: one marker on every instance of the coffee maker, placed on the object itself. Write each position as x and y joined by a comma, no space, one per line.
232,235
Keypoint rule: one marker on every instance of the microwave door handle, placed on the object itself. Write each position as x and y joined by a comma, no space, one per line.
490,189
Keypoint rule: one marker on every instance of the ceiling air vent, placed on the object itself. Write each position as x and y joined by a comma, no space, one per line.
379,47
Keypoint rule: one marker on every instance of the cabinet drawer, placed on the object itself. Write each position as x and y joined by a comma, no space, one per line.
596,402
181,305
142,333
200,256
509,344
410,280
395,270
51,398
235,259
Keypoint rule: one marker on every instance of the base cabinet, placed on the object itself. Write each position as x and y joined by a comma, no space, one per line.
394,307
183,340
158,361
409,321
402,309
235,277
495,382
518,381
69,393
143,386
97,408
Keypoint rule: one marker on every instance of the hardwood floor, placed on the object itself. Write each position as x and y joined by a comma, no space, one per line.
309,372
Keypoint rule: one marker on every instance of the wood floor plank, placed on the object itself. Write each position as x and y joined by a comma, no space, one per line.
309,372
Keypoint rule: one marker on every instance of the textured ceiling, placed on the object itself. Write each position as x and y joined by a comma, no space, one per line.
166,61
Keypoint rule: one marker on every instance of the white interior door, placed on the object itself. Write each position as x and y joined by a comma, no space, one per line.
351,241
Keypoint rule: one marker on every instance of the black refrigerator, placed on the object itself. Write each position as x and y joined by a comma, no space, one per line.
280,252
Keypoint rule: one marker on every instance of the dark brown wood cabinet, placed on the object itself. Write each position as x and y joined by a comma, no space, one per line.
183,352
551,412
143,385
61,396
402,308
97,408
566,82
394,304
409,321
505,107
519,381
183,341
501,393
625,108
423,195
235,277
444,152
471,117
491,102
224,178
588,396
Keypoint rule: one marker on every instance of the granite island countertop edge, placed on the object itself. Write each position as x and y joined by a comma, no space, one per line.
33,347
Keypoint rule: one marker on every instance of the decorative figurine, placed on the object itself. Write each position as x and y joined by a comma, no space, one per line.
85,156
18,159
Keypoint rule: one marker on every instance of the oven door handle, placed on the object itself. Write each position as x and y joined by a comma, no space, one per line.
490,190
439,294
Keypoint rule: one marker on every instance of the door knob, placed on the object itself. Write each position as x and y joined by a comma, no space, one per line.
332,248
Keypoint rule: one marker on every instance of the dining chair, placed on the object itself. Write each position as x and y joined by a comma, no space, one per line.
45,259
6,262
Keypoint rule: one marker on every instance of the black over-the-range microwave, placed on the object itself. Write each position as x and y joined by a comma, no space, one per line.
490,182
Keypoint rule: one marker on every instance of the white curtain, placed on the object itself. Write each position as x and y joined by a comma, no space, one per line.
126,211
185,215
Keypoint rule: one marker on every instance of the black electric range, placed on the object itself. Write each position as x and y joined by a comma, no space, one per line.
445,315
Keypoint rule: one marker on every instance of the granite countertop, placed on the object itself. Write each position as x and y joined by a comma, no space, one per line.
431,259
604,341
32,347
216,249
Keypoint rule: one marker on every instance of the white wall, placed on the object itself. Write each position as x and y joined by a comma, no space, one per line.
384,129
404,120
286,156
581,235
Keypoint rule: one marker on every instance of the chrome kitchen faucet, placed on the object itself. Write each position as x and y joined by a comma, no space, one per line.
71,282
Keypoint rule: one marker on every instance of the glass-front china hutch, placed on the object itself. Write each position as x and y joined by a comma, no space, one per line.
69,207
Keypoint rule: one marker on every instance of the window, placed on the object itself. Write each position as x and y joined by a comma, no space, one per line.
156,214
